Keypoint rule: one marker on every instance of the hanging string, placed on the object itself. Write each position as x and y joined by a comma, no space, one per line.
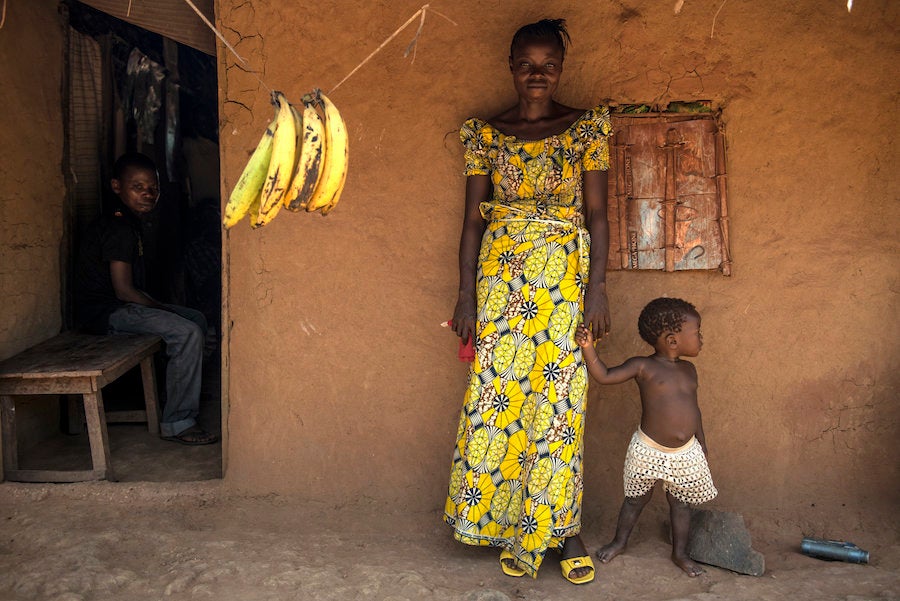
217,32
219,35
712,31
412,45
383,44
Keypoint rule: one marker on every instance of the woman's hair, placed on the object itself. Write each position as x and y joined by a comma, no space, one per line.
545,30
663,315
132,160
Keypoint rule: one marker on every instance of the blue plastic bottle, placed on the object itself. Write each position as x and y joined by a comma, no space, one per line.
833,549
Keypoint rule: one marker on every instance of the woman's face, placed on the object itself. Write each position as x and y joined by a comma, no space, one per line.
536,67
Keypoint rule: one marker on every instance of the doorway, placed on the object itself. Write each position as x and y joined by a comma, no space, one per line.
129,89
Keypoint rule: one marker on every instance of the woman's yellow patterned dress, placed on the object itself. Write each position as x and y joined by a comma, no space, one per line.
516,479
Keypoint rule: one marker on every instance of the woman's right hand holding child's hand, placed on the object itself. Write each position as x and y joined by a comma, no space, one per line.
583,336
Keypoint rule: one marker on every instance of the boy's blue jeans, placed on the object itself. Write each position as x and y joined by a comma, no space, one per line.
184,332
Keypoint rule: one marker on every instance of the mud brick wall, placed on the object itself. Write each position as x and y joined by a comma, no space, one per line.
341,386
32,190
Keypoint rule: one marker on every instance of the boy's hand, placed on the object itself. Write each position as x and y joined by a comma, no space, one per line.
583,336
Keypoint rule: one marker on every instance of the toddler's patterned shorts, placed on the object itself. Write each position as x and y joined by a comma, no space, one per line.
684,471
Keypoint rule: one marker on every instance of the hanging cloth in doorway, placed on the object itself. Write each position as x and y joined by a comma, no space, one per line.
143,93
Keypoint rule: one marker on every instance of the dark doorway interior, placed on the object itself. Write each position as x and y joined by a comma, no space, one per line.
128,89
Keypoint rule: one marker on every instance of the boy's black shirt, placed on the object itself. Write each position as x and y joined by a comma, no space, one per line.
115,237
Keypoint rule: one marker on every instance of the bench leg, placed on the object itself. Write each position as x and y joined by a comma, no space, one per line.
96,421
151,402
8,432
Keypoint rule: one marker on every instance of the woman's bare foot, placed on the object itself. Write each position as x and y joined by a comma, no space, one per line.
690,568
607,552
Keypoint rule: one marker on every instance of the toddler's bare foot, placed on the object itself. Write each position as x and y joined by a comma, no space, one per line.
607,552
690,568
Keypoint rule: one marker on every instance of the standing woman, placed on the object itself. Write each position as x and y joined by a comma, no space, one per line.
532,263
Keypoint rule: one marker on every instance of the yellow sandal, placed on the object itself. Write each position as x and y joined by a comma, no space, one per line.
573,563
515,571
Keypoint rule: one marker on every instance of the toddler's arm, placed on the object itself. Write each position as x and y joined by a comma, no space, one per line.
597,368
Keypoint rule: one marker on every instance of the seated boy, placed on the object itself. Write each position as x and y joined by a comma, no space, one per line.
670,444
109,296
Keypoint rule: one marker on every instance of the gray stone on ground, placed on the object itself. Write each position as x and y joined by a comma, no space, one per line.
720,538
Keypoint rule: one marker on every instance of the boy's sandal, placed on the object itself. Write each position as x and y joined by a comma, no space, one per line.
514,571
573,563
193,436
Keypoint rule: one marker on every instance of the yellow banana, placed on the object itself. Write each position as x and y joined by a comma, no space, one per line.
249,185
281,166
334,171
253,211
308,170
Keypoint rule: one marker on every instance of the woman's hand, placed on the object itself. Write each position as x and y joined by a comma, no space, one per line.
596,305
596,310
464,318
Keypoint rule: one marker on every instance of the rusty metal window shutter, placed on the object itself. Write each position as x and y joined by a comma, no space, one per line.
667,198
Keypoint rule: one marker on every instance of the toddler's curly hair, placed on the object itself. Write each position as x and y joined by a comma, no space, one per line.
663,315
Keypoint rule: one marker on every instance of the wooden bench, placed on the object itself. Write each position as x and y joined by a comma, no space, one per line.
73,363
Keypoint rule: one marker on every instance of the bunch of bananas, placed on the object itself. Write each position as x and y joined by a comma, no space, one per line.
300,163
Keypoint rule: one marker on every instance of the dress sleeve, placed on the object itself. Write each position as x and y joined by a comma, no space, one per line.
477,139
594,132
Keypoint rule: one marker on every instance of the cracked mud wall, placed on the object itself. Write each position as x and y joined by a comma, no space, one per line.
32,189
342,387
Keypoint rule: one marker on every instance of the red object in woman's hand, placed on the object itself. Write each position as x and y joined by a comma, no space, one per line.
466,351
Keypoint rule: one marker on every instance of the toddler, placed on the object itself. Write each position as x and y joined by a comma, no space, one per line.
669,445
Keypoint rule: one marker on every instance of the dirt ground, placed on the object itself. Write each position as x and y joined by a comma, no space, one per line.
169,528
145,541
